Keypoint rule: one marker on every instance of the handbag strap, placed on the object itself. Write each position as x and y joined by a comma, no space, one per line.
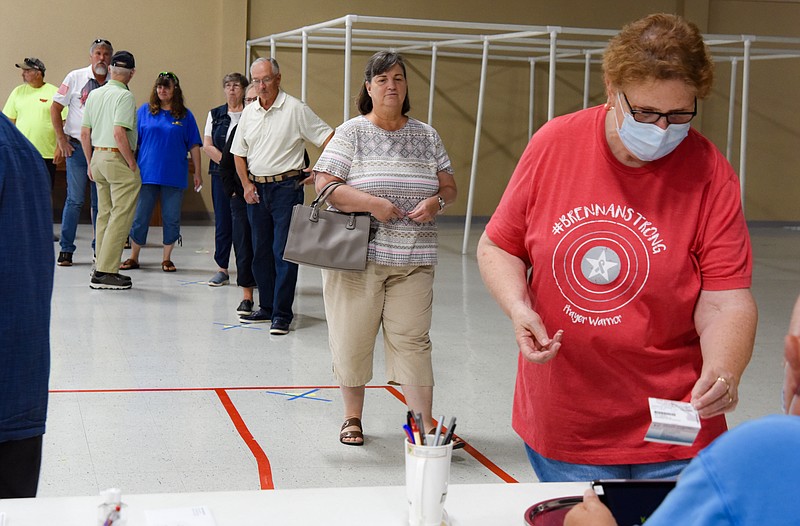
326,192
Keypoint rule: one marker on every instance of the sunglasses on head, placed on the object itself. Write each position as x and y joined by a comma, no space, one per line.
102,41
168,75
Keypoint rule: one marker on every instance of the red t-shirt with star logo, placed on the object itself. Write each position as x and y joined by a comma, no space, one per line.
619,256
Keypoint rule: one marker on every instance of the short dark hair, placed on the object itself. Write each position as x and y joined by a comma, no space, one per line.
379,63
235,77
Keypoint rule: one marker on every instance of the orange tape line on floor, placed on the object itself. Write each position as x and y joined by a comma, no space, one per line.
477,455
264,469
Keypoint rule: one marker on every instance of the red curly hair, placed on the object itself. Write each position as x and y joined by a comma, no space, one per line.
659,47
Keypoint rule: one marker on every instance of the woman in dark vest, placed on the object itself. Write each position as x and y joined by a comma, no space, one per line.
221,120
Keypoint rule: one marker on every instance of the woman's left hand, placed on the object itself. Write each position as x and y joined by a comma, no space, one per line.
715,393
198,181
425,211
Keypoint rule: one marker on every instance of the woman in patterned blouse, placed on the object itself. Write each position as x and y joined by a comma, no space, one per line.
396,168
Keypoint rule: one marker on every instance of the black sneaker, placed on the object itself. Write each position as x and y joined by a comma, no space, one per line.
64,259
259,316
279,327
109,281
245,308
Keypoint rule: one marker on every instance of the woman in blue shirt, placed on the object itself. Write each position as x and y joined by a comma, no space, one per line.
167,131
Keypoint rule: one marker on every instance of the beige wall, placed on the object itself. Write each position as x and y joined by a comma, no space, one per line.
201,41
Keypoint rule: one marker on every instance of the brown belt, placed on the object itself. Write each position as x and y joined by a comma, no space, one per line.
101,149
291,174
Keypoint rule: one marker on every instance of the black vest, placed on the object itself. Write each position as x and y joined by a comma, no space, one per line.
220,122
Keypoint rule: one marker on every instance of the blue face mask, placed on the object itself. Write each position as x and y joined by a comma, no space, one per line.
648,142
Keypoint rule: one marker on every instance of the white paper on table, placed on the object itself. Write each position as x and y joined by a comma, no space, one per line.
194,516
2,518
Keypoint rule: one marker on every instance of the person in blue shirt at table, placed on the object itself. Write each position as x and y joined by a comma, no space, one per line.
167,131
746,476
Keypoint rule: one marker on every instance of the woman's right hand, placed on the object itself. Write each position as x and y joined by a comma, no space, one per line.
384,210
534,343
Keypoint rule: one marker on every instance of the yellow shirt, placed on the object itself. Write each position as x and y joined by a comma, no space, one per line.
30,108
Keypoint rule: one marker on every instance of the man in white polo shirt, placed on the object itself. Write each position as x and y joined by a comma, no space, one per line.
73,94
268,151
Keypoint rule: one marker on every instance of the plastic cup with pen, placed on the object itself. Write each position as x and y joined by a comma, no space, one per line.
427,473
112,511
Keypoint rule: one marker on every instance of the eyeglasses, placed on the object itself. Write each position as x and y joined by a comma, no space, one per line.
652,117
169,75
248,100
265,80
102,41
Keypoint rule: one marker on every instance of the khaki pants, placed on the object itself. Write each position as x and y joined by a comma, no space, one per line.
398,299
117,191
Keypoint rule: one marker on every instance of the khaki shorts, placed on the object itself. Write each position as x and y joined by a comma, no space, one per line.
397,299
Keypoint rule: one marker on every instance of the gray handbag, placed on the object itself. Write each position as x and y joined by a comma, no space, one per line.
326,238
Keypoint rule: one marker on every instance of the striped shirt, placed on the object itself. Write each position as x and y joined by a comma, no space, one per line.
400,166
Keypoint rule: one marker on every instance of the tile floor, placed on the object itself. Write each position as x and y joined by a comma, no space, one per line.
153,389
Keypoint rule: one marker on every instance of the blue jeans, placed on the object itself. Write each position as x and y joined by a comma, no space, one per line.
242,242
269,223
76,192
171,199
223,228
549,470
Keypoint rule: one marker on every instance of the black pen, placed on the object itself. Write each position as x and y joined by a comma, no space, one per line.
422,431
449,435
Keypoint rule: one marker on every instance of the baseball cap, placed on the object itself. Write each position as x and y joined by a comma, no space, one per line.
32,63
123,59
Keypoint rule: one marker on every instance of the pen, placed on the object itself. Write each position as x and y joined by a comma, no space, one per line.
415,430
449,435
438,431
420,427
113,516
408,432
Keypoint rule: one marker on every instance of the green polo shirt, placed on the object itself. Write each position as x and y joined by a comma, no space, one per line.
30,109
107,106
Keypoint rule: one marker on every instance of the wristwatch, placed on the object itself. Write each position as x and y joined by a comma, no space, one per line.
442,204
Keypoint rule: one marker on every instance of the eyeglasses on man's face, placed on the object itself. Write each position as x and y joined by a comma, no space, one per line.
248,100
652,117
265,80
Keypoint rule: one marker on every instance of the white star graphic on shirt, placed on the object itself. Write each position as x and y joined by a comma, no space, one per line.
601,266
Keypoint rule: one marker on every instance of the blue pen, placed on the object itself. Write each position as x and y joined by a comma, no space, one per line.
408,432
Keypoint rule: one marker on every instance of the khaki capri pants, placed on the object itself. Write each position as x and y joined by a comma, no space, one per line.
398,299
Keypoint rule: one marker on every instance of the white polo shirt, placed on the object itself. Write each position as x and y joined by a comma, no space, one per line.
273,140
73,94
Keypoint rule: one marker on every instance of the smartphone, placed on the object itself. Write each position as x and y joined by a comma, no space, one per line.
632,501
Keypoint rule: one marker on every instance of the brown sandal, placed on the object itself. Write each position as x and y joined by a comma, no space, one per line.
129,264
168,266
356,435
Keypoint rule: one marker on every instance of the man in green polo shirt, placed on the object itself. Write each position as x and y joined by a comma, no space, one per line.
108,138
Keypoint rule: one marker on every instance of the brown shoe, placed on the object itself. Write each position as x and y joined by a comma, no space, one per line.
168,266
